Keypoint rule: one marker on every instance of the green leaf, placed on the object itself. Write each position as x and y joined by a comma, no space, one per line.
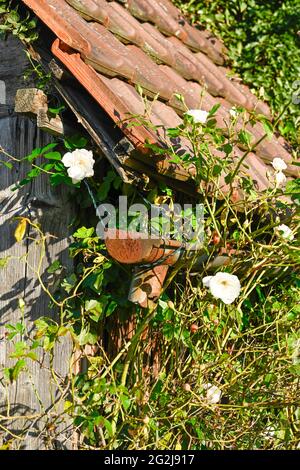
94,309
12,373
62,331
103,191
59,178
179,97
94,281
53,156
68,406
156,149
108,427
33,173
84,232
245,137
108,180
32,355
111,308
92,304
295,369
217,170
268,378
75,142
21,183
7,165
227,148
87,337
175,159
4,261
268,127
211,123
55,266
20,349
56,111
228,178
156,390
173,132
40,151
47,147
293,187
47,166
34,154
214,109
236,235
125,402
69,283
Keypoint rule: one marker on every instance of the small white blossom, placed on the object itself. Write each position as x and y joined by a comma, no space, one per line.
198,115
213,393
279,164
223,286
206,281
80,164
270,432
233,112
280,178
285,232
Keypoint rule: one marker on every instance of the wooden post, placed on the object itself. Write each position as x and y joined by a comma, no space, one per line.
32,394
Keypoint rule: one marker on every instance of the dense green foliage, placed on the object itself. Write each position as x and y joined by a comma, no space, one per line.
263,47
191,372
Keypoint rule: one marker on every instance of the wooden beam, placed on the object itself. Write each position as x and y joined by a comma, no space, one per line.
30,100
34,102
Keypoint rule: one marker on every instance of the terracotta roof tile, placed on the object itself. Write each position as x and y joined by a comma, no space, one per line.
170,21
155,13
111,47
231,93
112,104
199,41
258,104
199,72
165,115
127,94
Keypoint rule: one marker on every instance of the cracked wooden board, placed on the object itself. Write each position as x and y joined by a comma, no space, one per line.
52,209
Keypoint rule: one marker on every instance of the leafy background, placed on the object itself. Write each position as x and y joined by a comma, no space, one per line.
263,41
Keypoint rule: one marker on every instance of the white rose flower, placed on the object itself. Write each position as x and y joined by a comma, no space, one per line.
270,432
223,286
279,164
280,178
213,393
80,164
198,115
285,232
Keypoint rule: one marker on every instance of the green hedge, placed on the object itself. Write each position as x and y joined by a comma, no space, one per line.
264,44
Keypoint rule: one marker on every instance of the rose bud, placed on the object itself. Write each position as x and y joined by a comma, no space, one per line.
186,387
216,238
146,420
235,195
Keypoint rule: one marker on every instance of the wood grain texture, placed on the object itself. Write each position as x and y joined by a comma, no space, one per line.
52,209
13,63
30,100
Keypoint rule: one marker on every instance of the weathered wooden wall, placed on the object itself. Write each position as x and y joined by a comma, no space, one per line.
51,208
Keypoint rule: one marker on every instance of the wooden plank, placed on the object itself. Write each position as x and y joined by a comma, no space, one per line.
52,209
13,64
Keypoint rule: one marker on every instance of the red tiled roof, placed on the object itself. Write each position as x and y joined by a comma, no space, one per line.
110,48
